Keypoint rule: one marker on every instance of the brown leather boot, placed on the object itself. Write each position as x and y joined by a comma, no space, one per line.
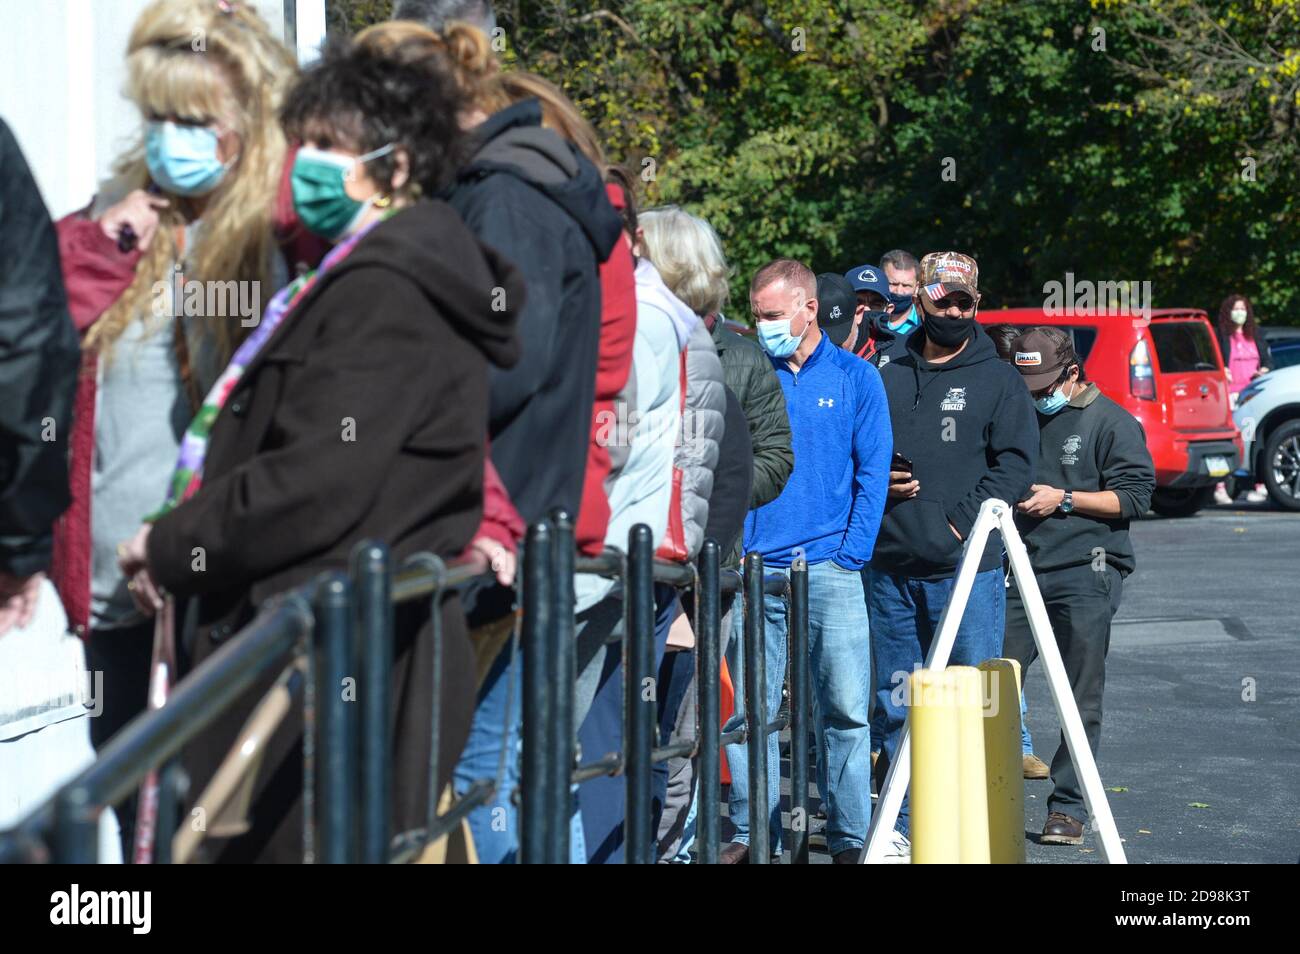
849,856
1034,767
734,854
1062,829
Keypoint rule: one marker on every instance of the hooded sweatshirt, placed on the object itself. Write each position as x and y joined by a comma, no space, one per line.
284,498
536,200
831,505
970,429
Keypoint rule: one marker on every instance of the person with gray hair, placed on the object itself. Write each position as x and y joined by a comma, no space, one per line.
688,254
436,14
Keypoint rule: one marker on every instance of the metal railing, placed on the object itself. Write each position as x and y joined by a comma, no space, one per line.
343,624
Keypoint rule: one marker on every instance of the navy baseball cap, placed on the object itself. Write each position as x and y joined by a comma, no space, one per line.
869,278
836,305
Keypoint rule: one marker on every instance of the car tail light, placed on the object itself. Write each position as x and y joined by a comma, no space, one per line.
1141,379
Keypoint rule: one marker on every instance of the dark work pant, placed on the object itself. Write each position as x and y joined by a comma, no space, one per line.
1080,602
123,656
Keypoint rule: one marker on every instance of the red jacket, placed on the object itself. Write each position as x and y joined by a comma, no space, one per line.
613,364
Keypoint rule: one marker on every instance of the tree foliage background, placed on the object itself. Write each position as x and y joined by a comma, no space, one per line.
1115,139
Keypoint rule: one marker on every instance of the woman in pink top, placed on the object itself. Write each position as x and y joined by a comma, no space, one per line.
1245,357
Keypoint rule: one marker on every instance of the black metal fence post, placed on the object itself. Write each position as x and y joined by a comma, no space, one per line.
538,600
334,748
708,723
563,664
639,693
372,584
799,698
76,827
756,714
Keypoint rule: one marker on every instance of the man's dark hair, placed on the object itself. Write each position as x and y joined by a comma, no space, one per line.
903,261
357,99
789,270
436,14
1002,336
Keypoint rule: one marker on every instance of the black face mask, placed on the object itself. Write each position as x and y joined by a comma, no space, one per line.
874,317
947,332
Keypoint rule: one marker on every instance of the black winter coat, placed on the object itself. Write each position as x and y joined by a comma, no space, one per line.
363,417
39,357
536,200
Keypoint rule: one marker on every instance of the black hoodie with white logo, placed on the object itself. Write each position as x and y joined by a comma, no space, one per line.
970,430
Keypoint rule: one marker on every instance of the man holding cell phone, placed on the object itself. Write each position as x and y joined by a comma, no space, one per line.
964,432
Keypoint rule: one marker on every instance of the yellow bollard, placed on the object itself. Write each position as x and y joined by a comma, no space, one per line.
1003,769
932,714
973,812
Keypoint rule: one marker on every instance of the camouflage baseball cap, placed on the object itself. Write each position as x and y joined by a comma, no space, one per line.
943,273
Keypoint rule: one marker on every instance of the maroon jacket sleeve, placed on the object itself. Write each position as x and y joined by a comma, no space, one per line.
95,271
501,521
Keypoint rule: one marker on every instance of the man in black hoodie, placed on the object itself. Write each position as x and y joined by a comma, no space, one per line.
1096,475
539,202
964,432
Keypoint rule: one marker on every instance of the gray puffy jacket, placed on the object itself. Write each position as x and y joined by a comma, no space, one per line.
703,422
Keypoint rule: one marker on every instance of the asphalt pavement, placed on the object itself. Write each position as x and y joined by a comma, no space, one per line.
1200,750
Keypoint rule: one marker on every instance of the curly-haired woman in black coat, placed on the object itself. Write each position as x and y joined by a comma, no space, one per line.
356,410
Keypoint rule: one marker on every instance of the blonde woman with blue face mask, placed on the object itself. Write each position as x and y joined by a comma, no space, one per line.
188,213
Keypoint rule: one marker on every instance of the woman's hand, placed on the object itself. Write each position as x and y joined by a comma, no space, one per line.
133,560
139,210
489,554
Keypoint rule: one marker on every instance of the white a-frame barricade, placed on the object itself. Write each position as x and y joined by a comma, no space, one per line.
996,513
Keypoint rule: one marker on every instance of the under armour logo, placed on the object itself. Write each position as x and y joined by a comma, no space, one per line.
826,402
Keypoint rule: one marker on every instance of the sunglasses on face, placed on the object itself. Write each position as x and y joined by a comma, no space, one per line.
962,303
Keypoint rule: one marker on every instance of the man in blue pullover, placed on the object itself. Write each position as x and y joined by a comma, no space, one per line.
829,510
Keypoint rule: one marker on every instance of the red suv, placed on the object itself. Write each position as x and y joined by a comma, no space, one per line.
1169,375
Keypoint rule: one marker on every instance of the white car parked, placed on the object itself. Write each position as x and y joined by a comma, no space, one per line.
1268,416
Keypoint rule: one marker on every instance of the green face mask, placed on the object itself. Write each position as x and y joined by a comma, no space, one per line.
319,196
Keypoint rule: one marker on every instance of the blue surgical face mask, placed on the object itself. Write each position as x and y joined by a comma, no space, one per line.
1054,401
183,159
775,337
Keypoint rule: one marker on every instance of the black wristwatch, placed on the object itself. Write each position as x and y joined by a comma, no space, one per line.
1067,502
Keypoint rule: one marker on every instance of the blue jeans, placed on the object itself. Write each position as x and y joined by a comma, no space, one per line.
1026,740
840,659
497,722
602,802
905,616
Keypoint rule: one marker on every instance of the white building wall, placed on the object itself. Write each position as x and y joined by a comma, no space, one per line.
62,69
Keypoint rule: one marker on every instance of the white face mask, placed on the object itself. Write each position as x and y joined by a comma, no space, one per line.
1239,316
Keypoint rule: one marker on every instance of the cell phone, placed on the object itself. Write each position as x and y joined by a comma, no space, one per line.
900,463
